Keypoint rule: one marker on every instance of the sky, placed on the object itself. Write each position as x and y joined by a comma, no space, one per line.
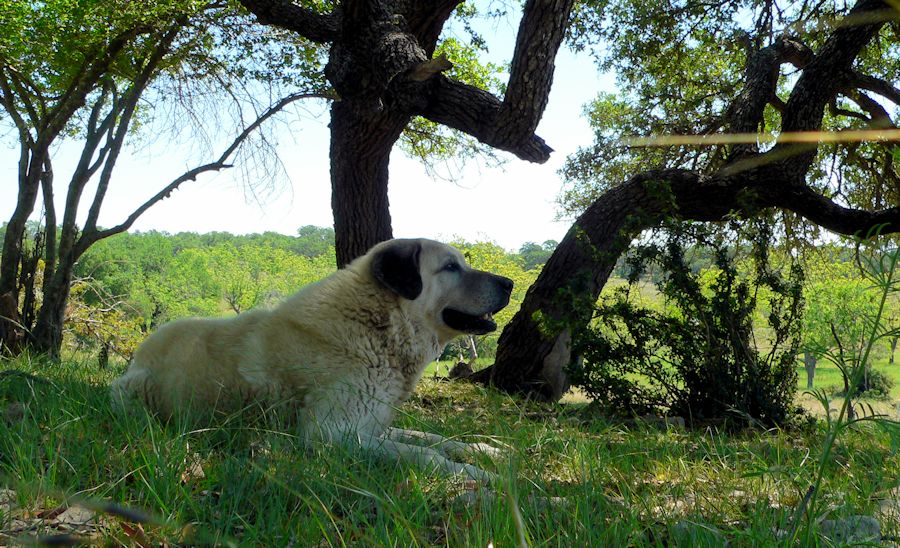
509,205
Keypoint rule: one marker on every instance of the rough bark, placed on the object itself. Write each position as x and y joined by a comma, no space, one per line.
532,361
360,152
381,65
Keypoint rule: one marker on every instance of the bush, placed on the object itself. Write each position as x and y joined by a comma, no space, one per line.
874,384
698,359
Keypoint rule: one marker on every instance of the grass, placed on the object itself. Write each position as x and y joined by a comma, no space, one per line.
574,478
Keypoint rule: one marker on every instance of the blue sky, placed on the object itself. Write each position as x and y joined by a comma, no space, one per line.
509,205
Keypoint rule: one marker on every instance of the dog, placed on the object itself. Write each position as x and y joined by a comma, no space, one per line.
343,353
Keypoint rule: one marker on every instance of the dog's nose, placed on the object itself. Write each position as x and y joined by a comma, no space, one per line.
505,283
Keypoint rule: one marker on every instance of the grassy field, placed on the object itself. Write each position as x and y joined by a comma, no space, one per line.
71,467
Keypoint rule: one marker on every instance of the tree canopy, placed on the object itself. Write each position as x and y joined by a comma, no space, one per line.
729,110
101,73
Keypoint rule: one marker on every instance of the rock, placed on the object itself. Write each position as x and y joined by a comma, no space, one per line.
461,370
75,516
851,530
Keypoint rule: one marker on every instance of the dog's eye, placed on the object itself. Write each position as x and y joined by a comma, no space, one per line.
451,267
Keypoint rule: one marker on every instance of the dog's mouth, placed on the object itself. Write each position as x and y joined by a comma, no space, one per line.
469,323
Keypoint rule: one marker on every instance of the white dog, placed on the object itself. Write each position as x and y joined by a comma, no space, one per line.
344,352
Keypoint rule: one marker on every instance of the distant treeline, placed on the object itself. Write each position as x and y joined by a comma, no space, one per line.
129,284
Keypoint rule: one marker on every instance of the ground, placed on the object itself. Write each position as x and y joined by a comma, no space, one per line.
70,466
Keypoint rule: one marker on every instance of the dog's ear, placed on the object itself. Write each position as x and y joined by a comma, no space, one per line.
397,268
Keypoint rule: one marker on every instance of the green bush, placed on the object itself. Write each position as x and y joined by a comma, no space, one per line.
698,358
874,384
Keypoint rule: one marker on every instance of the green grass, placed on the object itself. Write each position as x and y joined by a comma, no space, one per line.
576,479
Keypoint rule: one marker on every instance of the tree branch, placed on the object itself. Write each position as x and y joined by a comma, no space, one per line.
745,114
820,82
74,97
316,27
426,20
474,111
88,239
876,85
9,104
821,78
540,34
129,104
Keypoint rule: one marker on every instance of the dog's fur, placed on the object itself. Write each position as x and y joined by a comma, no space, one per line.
343,352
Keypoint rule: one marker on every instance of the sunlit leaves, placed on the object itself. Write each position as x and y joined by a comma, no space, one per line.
680,64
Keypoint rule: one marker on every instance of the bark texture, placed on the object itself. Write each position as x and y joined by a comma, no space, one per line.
382,66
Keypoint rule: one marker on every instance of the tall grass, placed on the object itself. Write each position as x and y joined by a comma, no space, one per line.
880,268
569,477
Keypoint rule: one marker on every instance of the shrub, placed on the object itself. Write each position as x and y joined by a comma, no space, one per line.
698,359
874,384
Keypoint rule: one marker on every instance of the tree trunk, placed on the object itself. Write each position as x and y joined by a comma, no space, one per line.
361,146
11,335
532,356
13,241
809,362
48,330
893,349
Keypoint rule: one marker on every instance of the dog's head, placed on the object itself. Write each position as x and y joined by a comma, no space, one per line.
449,295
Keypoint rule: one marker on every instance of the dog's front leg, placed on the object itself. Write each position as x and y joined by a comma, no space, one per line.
450,448
422,456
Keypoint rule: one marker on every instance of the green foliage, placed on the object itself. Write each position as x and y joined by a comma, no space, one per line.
679,65
137,281
536,255
837,297
155,277
438,145
699,359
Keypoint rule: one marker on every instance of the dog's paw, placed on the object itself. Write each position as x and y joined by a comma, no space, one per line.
474,449
477,474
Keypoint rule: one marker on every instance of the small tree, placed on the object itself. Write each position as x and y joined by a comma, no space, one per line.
700,360
97,72
836,302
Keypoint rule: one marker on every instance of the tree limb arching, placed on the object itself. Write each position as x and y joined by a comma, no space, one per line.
533,362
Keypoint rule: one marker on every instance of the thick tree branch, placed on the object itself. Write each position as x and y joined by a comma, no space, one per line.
541,32
876,85
475,111
880,118
316,27
426,20
821,80
745,114
843,220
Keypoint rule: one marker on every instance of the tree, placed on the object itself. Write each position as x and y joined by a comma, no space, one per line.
802,75
384,64
535,255
97,73
838,305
